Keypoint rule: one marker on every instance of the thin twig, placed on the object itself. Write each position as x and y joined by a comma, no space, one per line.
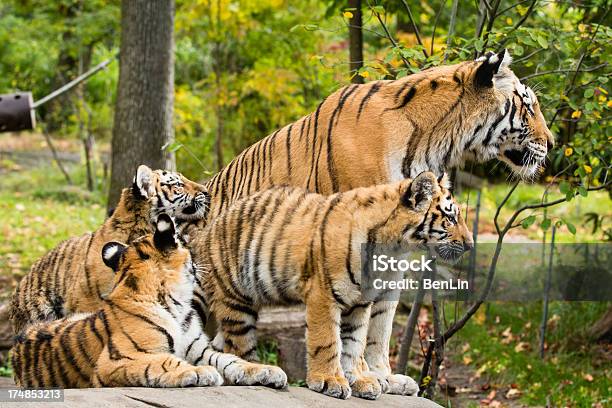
416,28
390,37
560,71
56,157
435,25
451,28
523,19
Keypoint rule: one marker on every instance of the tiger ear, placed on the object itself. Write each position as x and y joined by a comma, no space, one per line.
111,254
491,64
165,233
420,192
144,182
444,181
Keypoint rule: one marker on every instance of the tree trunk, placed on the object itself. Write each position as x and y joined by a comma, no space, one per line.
145,94
602,329
355,41
218,68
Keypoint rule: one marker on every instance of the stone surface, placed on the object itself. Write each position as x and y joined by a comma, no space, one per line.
219,397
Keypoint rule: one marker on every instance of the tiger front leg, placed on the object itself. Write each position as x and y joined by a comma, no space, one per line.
161,370
323,346
353,332
377,350
237,329
234,370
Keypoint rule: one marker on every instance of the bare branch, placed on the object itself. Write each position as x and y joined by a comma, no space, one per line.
559,71
501,205
522,20
390,37
416,29
435,25
451,28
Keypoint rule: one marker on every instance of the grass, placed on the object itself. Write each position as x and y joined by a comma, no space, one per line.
37,211
502,347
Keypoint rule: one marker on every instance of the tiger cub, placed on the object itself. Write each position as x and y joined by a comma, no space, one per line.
145,334
72,277
284,245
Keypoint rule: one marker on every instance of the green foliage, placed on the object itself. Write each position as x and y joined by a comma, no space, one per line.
6,370
37,212
503,350
267,352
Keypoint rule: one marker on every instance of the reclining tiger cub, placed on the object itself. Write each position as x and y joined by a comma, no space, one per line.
285,245
72,277
145,333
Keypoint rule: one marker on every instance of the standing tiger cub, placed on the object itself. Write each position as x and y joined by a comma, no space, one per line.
285,245
72,277
145,334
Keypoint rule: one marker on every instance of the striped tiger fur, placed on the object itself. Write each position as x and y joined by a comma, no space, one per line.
145,334
285,245
384,131
72,277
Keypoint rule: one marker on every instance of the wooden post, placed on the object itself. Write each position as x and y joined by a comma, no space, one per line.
472,265
547,294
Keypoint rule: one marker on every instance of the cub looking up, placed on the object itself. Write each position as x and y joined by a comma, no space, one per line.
72,277
146,332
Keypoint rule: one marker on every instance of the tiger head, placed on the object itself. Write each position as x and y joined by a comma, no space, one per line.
439,219
154,265
171,193
516,133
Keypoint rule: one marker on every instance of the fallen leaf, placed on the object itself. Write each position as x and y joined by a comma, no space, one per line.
521,346
467,360
507,336
513,393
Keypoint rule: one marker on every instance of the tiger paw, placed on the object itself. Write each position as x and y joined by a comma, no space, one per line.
367,386
334,386
200,376
402,385
253,373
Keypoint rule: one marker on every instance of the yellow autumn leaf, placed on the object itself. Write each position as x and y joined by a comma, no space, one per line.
603,91
597,115
576,114
467,360
509,21
480,316
581,28
568,152
609,104
588,169
364,74
347,15
602,98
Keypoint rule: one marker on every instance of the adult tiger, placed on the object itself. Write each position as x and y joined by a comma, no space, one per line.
384,131
143,334
72,277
